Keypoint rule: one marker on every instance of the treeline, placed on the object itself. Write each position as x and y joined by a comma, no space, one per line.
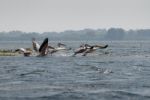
86,34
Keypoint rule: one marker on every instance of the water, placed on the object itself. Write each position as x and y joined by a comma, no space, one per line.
120,72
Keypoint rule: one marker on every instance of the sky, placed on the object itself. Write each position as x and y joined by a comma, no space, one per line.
61,15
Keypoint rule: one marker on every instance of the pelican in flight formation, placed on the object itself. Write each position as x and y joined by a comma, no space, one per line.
45,49
86,48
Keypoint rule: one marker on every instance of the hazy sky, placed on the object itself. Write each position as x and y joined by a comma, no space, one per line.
60,15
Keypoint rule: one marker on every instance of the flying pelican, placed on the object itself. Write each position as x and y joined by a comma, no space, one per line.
86,48
81,49
42,50
93,48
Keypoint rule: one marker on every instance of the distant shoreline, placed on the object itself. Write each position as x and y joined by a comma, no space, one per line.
79,35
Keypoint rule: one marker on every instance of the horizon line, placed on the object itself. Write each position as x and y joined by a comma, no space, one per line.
75,30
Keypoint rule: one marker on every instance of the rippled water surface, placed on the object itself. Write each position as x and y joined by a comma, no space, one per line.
120,72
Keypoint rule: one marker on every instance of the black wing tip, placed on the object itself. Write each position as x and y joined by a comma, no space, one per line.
42,45
106,45
46,39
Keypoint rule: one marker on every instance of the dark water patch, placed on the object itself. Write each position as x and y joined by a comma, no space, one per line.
32,72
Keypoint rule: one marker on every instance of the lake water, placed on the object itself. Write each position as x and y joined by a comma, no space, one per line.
120,72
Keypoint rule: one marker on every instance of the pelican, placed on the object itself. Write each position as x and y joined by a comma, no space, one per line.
24,51
81,49
59,47
88,50
96,46
60,44
93,48
42,50
51,50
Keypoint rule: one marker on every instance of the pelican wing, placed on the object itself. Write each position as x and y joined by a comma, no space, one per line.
44,48
101,46
36,46
22,50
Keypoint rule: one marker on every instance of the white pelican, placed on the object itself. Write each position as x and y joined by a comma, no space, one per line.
25,52
42,50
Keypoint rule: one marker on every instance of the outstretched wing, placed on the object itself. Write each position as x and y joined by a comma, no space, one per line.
101,46
22,50
36,46
43,50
